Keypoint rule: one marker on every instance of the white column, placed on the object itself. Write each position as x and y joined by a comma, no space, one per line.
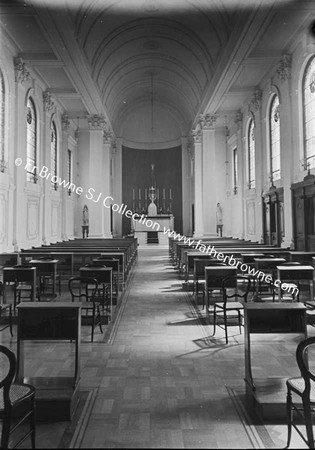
186,187
198,219
117,185
94,170
210,173
107,143
286,161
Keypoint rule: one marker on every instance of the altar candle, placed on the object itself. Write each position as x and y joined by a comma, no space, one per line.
139,194
163,194
170,194
145,194
158,194
133,194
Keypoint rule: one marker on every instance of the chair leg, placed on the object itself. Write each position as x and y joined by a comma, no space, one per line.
5,436
10,320
93,325
225,327
308,423
33,422
289,417
214,320
239,321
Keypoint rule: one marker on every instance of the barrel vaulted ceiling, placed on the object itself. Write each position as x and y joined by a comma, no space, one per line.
180,57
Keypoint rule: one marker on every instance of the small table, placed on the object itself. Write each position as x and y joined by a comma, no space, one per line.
263,319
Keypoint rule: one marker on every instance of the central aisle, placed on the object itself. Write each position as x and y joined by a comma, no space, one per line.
158,387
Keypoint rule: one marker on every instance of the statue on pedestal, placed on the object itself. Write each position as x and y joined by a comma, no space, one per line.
152,209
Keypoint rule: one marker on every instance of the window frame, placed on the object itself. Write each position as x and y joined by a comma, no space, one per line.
251,155
274,144
308,158
31,175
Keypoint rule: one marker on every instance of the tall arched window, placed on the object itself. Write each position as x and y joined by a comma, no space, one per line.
2,123
53,151
274,127
309,113
31,141
251,154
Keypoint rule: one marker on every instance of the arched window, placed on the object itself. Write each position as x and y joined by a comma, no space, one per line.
31,141
251,154
274,127
53,151
2,123
309,113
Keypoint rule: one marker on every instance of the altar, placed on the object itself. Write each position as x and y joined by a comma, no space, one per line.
151,228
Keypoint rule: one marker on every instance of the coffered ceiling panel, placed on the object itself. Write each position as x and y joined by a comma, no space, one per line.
126,58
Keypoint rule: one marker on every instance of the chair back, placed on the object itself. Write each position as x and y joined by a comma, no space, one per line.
7,375
240,286
83,288
215,277
25,274
302,361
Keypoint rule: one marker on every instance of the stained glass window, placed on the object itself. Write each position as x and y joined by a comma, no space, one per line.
251,154
69,169
53,152
2,123
235,171
309,113
31,141
274,126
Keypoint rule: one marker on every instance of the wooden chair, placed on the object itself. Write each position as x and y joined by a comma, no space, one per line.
16,399
25,283
231,306
4,308
46,277
84,289
304,388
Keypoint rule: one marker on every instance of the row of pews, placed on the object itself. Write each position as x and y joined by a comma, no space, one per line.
41,269
191,258
269,310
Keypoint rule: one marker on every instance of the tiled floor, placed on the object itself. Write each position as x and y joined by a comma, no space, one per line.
161,382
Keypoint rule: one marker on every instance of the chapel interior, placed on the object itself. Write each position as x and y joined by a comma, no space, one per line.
157,223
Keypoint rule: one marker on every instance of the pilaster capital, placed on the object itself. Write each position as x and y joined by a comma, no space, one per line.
65,122
107,137
238,117
197,135
21,72
48,101
255,102
96,122
190,150
209,121
114,147
284,67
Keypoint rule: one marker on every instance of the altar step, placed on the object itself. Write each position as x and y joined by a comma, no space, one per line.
152,237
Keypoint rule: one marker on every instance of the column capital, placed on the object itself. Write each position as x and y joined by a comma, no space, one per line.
284,67
197,135
209,121
107,137
96,122
255,102
65,122
21,72
48,101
